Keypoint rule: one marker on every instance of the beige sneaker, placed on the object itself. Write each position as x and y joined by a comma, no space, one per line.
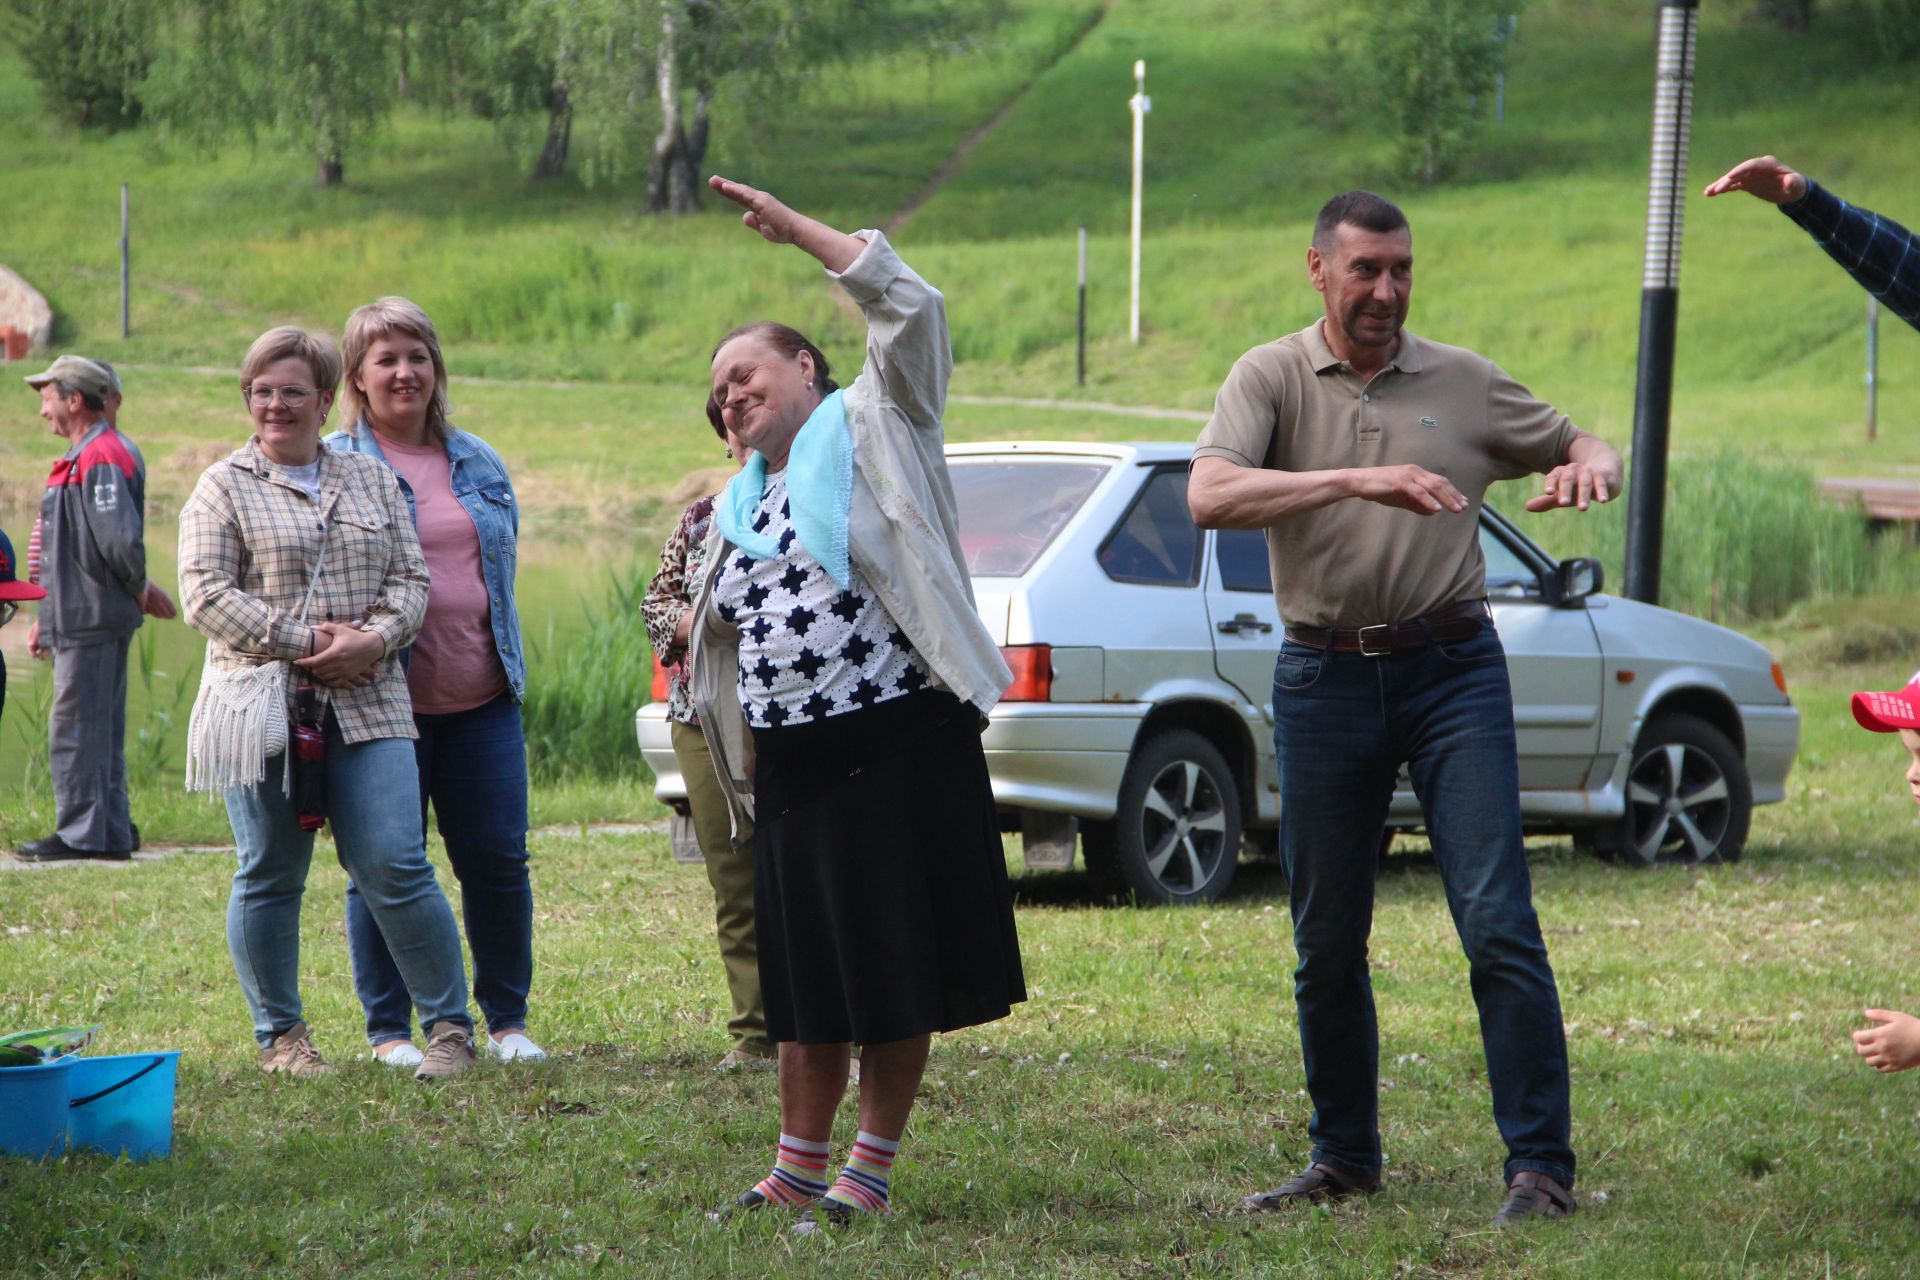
293,1054
449,1052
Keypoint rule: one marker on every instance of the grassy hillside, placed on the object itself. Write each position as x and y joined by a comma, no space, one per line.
1533,254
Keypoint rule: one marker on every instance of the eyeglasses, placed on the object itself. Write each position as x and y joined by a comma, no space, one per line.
7,609
293,397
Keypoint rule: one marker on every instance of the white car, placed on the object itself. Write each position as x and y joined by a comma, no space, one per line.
1139,724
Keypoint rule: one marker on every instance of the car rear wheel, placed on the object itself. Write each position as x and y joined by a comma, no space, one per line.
1689,799
1176,835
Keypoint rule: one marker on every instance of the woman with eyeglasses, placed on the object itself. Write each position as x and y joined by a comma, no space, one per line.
300,565
466,672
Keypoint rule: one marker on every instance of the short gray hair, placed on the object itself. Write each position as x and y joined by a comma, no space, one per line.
290,343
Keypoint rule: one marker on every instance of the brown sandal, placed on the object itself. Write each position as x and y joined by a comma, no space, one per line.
1534,1195
1316,1184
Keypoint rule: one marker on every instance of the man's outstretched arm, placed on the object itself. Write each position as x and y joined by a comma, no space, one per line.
1878,252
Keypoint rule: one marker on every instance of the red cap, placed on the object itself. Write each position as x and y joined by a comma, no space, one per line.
11,587
1888,712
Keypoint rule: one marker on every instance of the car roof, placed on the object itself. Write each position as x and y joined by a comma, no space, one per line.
1143,452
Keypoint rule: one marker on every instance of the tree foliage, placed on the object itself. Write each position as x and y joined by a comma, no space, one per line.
623,83
87,56
323,72
1433,65
642,78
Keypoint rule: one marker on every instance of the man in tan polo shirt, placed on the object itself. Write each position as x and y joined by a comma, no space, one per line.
1365,452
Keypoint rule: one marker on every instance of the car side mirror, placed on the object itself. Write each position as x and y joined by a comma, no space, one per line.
1572,581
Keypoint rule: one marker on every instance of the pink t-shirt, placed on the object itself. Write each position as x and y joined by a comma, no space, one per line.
454,666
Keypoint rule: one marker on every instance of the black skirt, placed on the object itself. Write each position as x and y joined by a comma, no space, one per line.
880,887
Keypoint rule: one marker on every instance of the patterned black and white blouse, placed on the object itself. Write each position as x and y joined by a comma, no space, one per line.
808,650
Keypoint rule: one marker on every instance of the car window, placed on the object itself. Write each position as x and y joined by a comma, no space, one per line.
1157,540
1508,576
1012,510
1243,560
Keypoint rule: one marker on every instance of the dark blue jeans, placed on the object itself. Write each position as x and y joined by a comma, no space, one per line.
1343,725
473,770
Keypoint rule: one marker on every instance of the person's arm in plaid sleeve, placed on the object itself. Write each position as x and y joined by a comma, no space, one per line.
1882,255
351,650
666,602
211,553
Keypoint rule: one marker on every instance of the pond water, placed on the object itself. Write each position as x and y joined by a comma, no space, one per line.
561,574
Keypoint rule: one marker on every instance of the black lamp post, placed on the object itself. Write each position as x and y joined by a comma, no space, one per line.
1660,298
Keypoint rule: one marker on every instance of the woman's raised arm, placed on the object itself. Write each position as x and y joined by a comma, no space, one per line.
778,224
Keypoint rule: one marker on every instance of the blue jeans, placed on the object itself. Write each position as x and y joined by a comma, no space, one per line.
473,769
370,796
1343,725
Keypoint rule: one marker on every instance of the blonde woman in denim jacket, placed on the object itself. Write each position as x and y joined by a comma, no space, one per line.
466,673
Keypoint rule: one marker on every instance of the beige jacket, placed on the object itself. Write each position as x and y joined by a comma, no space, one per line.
249,541
903,529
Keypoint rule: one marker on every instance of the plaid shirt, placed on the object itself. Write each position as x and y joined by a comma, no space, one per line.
669,598
1878,252
249,542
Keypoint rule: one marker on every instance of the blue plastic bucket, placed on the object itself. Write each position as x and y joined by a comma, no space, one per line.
33,1109
123,1105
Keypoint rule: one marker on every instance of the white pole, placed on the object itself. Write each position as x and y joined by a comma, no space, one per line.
1873,367
1140,104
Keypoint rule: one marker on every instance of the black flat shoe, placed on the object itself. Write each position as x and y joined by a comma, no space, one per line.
826,1215
746,1202
53,849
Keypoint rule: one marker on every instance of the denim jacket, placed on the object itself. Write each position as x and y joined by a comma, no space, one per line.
481,485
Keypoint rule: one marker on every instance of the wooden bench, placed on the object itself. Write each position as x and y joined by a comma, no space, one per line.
1881,499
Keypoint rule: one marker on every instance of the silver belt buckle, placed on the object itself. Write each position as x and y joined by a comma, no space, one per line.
1384,630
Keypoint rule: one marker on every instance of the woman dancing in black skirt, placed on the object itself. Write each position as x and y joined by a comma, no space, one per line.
843,677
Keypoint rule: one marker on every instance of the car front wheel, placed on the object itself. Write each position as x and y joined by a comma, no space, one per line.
1689,799
1176,834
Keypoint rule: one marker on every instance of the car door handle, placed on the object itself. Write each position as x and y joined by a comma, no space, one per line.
1245,622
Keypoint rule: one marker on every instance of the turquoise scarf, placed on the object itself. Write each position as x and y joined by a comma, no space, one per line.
819,491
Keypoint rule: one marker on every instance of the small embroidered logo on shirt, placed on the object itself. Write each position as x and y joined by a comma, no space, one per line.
1428,422
106,493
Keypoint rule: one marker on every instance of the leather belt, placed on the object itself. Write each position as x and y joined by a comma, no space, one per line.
1455,622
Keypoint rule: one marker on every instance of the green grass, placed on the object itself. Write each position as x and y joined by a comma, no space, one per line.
1107,1128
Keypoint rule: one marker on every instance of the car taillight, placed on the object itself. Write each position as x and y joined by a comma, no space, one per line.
1032,672
1779,677
659,680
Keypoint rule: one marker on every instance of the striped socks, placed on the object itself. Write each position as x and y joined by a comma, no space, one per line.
862,1185
800,1172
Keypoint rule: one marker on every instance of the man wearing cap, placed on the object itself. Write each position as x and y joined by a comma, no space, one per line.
92,562
1364,453
12,592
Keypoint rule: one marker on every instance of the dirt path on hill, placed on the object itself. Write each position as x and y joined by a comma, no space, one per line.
954,162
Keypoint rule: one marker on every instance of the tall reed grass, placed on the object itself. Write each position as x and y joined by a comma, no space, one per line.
1746,539
583,689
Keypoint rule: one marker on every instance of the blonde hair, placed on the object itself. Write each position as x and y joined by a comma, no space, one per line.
289,343
377,320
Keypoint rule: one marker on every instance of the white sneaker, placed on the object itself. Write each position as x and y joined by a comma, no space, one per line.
515,1047
404,1053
